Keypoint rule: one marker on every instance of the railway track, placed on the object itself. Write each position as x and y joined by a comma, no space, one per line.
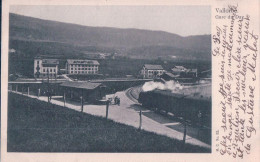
130,96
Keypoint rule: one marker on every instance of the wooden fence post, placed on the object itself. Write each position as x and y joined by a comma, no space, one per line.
28,91
185,130
81,103
64,98
39,92
140,124
107,105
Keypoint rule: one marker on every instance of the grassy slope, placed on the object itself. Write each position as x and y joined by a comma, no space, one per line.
36,126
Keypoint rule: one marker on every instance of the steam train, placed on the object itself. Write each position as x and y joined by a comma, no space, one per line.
194,107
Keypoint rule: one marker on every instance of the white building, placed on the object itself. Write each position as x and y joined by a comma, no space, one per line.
184,72
44,68
82,66
177,70
152,71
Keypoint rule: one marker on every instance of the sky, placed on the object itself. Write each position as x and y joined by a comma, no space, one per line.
181,20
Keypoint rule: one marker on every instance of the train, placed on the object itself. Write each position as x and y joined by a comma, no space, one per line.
193,107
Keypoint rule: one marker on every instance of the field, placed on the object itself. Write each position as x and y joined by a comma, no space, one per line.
36,126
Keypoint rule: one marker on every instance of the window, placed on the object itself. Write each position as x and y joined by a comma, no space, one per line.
71,72
71,68
43,70
54,70
50,70
38,62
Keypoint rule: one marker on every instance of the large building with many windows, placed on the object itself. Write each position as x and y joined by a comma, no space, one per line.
151,71
45,68
82,66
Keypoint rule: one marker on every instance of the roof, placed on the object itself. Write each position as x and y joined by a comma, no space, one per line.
50,61
179,67
153,67
86,62
192,70
180,95
81,85
170,74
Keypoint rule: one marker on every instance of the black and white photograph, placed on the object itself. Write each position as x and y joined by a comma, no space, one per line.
109,79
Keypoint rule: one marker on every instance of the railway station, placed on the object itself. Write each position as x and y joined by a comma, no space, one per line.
91,92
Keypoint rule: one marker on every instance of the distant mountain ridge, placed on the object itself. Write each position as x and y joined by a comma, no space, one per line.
136,43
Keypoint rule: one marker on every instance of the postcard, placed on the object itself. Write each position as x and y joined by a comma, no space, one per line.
130,81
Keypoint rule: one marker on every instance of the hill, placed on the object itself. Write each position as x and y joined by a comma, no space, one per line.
30,37
127,42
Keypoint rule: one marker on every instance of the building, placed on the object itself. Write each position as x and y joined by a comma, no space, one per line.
183,72
152,71
82,66
44,68
167,77
192,73
205,74
177,70
88,91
